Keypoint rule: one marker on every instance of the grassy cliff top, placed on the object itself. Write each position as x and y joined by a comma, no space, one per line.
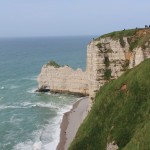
53,63
126,33
121,113
118,34
135,37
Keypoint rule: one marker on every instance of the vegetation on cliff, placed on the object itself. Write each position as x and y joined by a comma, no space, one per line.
135,37
107,73
120,34
53,63
120,114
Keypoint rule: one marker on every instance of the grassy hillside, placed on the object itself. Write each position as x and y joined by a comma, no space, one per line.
120,115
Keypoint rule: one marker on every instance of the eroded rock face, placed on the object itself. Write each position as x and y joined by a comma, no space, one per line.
106,59
63,79
105,56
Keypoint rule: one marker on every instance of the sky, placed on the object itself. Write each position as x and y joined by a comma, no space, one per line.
37,18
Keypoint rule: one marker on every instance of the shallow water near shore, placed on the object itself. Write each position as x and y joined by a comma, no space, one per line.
28,117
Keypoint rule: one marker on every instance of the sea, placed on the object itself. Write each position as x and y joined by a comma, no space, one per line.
31,120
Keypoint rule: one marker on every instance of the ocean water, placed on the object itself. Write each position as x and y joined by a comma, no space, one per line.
29,120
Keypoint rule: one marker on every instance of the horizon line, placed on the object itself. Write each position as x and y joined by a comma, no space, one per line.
10,37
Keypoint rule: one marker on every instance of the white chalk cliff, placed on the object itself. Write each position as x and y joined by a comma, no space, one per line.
106,59
63,79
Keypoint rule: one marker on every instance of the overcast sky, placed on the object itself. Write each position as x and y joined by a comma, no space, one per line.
19,18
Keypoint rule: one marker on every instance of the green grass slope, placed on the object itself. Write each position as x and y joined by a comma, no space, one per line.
118,115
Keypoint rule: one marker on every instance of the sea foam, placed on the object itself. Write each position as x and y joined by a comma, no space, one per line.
2,87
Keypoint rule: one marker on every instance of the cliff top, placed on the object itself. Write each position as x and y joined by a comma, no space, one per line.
135,37
120,114
126,33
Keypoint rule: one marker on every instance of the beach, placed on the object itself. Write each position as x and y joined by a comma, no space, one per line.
72,121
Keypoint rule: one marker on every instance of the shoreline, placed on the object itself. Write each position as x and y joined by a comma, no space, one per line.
42,90
71,122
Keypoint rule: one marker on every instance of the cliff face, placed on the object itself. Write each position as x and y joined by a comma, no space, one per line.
63,79
109,61
108,57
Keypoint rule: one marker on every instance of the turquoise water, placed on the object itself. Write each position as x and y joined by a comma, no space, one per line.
26,117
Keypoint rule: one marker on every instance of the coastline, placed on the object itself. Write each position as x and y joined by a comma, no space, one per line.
71,122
